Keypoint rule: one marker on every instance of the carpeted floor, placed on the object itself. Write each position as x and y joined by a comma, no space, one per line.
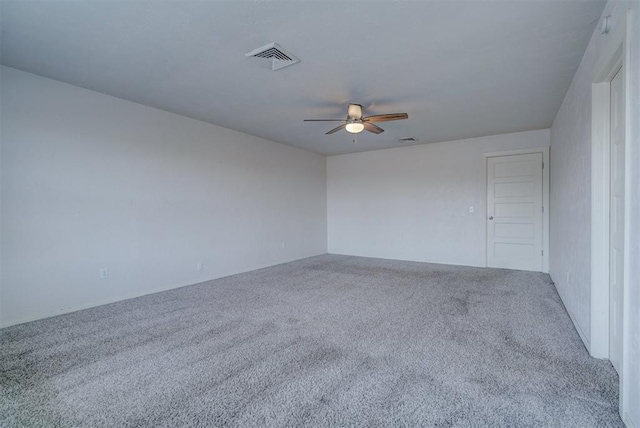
325,341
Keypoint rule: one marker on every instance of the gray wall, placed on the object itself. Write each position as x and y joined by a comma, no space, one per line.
570,240
91,181
412,203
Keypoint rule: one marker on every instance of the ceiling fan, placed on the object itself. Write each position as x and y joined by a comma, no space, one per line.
355,123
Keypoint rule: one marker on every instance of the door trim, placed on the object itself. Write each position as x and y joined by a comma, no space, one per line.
600,194
545,198
616,54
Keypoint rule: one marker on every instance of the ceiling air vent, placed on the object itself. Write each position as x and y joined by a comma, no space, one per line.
278,56
407,140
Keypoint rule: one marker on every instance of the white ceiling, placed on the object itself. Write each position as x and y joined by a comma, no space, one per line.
459,68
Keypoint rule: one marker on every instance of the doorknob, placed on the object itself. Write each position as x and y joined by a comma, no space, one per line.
491,218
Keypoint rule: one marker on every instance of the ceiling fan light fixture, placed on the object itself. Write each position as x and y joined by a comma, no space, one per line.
354,127
356,123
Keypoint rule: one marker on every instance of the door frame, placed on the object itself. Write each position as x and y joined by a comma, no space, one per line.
545,199
615,55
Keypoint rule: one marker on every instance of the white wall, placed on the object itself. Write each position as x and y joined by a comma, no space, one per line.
91,181
570,243
412,203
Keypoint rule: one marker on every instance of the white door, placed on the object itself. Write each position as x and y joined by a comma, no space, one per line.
514,212
616,219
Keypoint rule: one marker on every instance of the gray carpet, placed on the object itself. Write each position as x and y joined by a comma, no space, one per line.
325,341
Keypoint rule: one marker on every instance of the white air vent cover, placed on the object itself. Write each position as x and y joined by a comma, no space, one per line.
278,56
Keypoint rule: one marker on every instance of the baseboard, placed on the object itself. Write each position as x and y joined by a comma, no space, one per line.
584,337
94,304
437,262
626,419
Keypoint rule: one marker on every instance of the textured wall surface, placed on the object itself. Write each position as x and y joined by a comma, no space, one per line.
571,199
90,181
570,234
412,203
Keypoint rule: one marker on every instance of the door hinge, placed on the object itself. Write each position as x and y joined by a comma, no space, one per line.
542,253
542,165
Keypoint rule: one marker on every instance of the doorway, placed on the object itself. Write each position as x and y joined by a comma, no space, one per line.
516,219
514,212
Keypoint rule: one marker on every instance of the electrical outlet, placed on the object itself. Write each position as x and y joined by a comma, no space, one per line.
568,276
199,266
104,273
471,209
284,245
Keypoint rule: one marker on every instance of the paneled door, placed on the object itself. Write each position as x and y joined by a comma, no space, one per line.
514,212
616,219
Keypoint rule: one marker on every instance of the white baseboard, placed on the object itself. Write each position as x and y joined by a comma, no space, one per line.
70,309
437,262
94,304
583,336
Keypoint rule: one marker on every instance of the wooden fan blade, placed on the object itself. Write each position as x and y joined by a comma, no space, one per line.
336,129
373,128
323,120
385,117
